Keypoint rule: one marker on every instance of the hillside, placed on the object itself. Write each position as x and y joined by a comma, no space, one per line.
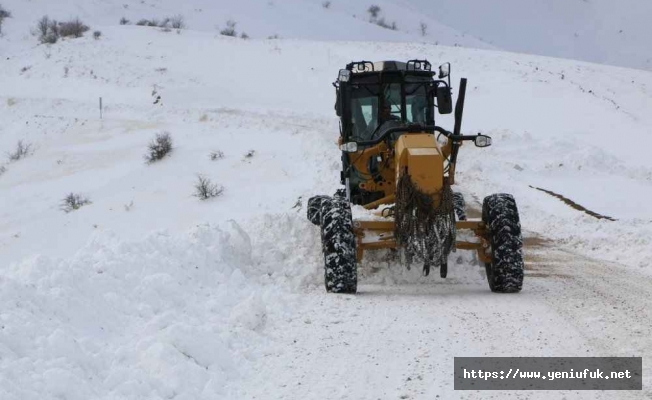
148,292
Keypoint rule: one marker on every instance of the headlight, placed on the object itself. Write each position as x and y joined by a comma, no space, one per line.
350,147
344,76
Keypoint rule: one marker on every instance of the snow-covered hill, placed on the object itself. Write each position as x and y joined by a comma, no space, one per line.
601,31
595,31
148,292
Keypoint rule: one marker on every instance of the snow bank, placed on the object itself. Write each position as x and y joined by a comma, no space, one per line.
168,316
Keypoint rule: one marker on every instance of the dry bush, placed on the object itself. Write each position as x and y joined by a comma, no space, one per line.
4,14
216,155
74,201
3,169
97,35
43,26
177,22
22,150
230,29
49,30
326,4
124,21
73,28
244,36
205,189
159,147
381,22
424,28
149,22
373,11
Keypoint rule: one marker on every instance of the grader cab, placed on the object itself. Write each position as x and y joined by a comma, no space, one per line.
399,163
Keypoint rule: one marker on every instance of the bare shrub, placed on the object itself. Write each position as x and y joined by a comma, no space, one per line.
274,36
43,26
244,36
250,154
216,155
54,28
4,14
205,189
74,201
159,147
373,11
326,4
3,169
424,28
177,22
73,28
124,21
383,24
97,35
151,22
49,39
230,28
22,150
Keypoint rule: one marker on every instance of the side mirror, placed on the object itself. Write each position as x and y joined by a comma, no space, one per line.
482,140
444,70
444,100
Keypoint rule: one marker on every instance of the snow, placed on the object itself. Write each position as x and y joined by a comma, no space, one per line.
148,292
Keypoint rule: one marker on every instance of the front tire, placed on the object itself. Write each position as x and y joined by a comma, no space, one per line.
314,209
338,246
500,215
459,205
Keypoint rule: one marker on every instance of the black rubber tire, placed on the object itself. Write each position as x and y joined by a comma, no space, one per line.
459,205
500,215
338,245
314,209
340,193
443,270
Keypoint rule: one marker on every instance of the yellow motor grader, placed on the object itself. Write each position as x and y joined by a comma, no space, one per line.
397,162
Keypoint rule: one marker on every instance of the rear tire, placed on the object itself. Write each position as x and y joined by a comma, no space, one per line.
500,215
314,209
460,206
338,246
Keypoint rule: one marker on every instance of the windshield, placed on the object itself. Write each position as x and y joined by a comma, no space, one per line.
374,104
416,103
364,111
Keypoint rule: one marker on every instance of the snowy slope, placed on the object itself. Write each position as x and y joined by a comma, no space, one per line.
306,19
598,31
601,31
150,293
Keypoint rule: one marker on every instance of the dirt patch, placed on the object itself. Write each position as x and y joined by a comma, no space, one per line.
574,205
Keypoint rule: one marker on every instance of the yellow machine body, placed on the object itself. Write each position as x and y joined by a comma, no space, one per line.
422,157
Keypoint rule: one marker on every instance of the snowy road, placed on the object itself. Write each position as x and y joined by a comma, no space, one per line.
398,341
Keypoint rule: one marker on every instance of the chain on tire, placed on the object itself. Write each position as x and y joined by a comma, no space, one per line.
338,246
505,272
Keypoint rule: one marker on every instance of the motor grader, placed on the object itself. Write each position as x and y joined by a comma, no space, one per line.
398,164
